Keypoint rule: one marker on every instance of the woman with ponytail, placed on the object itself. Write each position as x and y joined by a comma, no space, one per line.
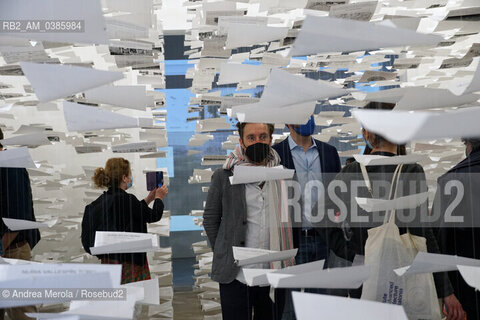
118,210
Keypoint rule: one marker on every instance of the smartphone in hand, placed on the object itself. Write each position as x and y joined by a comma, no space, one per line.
154,180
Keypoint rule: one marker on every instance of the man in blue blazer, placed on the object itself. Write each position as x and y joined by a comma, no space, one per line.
312,160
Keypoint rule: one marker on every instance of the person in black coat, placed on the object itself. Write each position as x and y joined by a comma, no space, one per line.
117,210
347,239
462,240
16,202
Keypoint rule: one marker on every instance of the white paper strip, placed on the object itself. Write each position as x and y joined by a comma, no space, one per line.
471,275
258,277
400,203
308,306
376,160
244,34
85,118
54,81
336,278
325,34
16,158
90,28
17,224
246,256
425,262
124,242
249,174
401,127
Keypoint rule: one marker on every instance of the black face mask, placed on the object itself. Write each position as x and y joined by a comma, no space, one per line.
257,152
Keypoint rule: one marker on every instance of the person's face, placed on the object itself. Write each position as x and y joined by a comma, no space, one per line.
368,135
126,179
254,133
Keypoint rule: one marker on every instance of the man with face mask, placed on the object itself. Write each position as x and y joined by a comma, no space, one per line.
246,215
463,240
16,203
312,160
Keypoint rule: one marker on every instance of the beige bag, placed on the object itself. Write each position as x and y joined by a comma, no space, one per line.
386,250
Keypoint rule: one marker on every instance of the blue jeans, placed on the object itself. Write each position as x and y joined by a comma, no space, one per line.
311,248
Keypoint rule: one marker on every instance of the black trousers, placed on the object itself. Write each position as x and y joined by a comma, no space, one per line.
238,301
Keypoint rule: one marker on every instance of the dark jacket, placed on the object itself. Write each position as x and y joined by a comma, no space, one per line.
462,240
225,222
17,203
347,241
117,210
329,164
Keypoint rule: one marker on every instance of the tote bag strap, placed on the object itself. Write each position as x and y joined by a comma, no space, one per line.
395,179
369,184
366,178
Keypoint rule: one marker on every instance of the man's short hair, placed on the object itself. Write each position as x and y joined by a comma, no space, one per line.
241,128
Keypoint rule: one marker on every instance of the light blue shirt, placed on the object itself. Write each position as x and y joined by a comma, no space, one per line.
307,168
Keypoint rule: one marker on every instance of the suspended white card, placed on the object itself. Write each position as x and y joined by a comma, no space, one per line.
238,72
377,160
85,118
151,291
401,127
124,242
131,97
419,98
287,98
326,34
425,262
400,203
258,277
336,278
308,306
88,27
249,174
245,256
16,158
471,275
29,140
262,112
17,224
54,81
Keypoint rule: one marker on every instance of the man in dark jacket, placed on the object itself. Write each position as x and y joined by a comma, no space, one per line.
312,160
16,203
241,215
463,240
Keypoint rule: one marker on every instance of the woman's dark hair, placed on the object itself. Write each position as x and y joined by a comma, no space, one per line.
473,142
373,105
112,175
1,137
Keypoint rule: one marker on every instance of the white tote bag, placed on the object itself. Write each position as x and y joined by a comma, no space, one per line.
386,250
